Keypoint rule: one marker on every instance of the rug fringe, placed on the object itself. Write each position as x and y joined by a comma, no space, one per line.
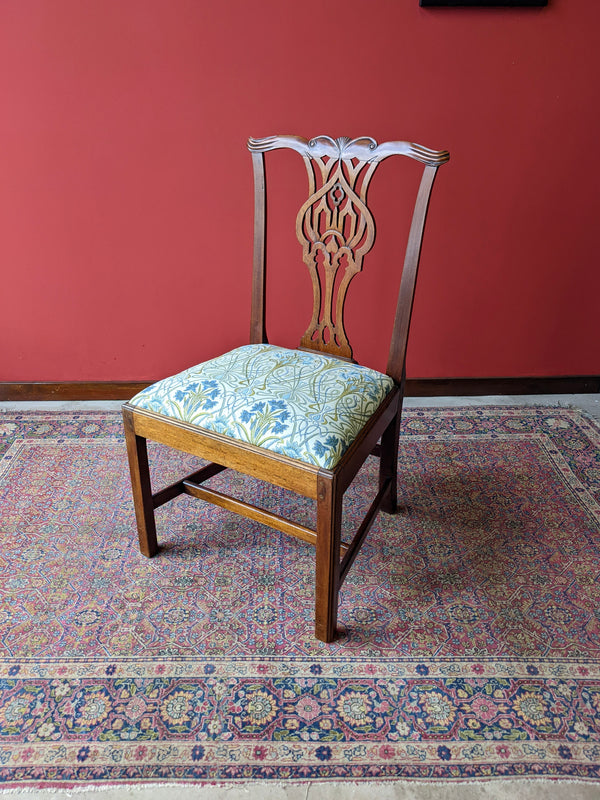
525,788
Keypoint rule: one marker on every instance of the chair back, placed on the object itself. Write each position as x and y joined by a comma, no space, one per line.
336,230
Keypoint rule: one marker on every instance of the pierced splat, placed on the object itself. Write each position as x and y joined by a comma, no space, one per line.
336,230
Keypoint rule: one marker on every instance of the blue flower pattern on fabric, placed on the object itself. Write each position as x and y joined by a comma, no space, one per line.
308,406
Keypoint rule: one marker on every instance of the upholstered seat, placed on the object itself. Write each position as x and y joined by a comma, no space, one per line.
308,406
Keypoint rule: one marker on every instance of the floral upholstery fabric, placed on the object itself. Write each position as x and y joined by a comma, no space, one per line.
307,406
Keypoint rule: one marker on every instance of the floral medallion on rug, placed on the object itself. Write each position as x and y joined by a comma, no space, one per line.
469,639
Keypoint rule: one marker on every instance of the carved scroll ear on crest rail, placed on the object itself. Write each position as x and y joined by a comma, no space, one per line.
334,226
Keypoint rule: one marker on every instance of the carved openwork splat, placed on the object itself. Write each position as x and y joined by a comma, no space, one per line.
336,230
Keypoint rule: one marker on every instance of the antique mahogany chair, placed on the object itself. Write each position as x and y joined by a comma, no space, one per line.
302,419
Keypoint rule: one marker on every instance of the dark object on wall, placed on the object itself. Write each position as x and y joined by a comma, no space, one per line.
485,3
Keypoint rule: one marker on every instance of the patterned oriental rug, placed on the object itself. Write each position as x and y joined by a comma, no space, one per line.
470,623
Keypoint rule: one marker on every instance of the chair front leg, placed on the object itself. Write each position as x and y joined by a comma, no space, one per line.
329,524
141,487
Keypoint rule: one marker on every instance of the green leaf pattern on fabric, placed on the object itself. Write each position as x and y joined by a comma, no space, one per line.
307,406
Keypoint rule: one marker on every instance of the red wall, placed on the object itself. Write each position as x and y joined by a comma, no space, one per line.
125,185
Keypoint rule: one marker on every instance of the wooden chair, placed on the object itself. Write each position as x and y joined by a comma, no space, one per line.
303,419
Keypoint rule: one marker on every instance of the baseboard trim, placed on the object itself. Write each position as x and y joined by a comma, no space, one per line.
71,390
415,387
463,387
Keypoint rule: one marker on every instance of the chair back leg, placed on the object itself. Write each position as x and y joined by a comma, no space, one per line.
388,464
